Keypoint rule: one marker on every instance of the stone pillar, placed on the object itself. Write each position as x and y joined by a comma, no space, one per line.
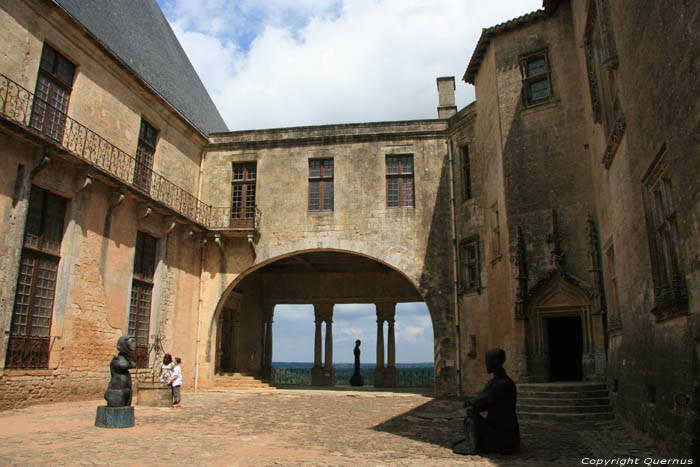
385,377
390,373
323,375
219,342
266,361
328,362
317,343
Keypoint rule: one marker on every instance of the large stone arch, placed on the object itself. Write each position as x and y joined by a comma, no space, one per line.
343,277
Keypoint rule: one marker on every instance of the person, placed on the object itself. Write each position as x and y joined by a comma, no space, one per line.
175,382
499,432
166,369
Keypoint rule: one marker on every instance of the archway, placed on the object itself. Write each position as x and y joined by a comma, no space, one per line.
562,338
242,326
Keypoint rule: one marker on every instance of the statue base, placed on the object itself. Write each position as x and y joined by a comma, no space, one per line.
114,417
357,380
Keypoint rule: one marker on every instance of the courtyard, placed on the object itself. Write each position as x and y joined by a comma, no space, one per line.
297,427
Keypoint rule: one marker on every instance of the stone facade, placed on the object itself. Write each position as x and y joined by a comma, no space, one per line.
555,217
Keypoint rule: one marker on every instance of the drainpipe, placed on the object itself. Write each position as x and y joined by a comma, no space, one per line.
455,268
199,311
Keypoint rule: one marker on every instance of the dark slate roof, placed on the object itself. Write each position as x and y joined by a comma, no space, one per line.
137,33
487,33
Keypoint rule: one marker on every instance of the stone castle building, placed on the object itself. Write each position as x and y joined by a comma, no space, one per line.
557,216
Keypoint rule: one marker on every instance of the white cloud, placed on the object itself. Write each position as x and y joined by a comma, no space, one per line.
316,62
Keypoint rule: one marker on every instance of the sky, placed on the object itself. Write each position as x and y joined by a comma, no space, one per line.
285,63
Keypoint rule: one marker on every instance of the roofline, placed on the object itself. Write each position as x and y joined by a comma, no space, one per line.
105,48
485,39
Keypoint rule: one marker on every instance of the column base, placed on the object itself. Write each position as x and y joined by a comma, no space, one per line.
322,376
379,377
390,377
114,417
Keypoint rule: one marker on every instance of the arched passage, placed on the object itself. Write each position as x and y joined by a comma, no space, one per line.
241,329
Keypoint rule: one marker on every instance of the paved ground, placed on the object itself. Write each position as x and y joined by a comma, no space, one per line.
292,427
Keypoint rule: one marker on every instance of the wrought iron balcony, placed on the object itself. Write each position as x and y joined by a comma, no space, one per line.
224,218
41,117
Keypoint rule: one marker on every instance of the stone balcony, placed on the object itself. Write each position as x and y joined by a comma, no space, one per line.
80,144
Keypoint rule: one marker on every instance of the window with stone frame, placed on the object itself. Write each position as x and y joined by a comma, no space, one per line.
145,151
466,173
670,291
495,235
399,181
53,88
602,62
614,321
30,326
141,294
243,187
320,184
536,77
470,267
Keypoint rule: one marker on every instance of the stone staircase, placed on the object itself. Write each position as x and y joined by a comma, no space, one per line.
227,381
564,402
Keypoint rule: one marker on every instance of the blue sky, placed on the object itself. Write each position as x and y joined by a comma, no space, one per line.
293,333
284,63
281,63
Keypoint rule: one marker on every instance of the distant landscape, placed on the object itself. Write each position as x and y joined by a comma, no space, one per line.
410,375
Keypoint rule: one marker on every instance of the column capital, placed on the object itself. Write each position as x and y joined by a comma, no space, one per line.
268,311
323,311
385,311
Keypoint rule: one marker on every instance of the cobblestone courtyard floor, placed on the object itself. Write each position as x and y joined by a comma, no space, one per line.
292,427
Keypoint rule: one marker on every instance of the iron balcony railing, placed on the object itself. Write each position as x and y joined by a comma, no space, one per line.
225,218
23,107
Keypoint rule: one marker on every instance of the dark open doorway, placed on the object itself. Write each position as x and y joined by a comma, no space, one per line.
565,348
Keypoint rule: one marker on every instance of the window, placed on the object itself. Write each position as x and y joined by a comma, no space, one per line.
466,174
33,309
141,292
670,292
243,195
320,184
469,258
145,150
53,88
614,318
495,234
536,78
399,181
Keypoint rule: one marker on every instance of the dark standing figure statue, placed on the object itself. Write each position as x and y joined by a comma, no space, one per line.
499,432
118,392
356,378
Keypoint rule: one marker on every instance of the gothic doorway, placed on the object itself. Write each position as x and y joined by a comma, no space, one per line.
565,335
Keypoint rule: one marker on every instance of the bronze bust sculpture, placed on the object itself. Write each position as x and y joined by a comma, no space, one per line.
118,392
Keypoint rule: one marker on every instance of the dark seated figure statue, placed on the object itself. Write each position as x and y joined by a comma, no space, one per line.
499,432
118,392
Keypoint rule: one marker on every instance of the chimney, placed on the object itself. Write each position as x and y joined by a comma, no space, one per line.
446,97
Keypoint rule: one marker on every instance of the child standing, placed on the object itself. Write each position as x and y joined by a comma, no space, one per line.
175,382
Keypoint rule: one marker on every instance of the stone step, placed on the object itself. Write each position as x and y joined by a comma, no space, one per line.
537,394
235,380
577,409
576,386
566,417
582,401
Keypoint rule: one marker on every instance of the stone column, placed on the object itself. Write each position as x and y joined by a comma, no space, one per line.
379,370
390,373
323,375
317,342
268,312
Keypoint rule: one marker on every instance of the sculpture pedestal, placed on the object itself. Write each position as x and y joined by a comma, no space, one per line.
154,394
114,417
356,380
